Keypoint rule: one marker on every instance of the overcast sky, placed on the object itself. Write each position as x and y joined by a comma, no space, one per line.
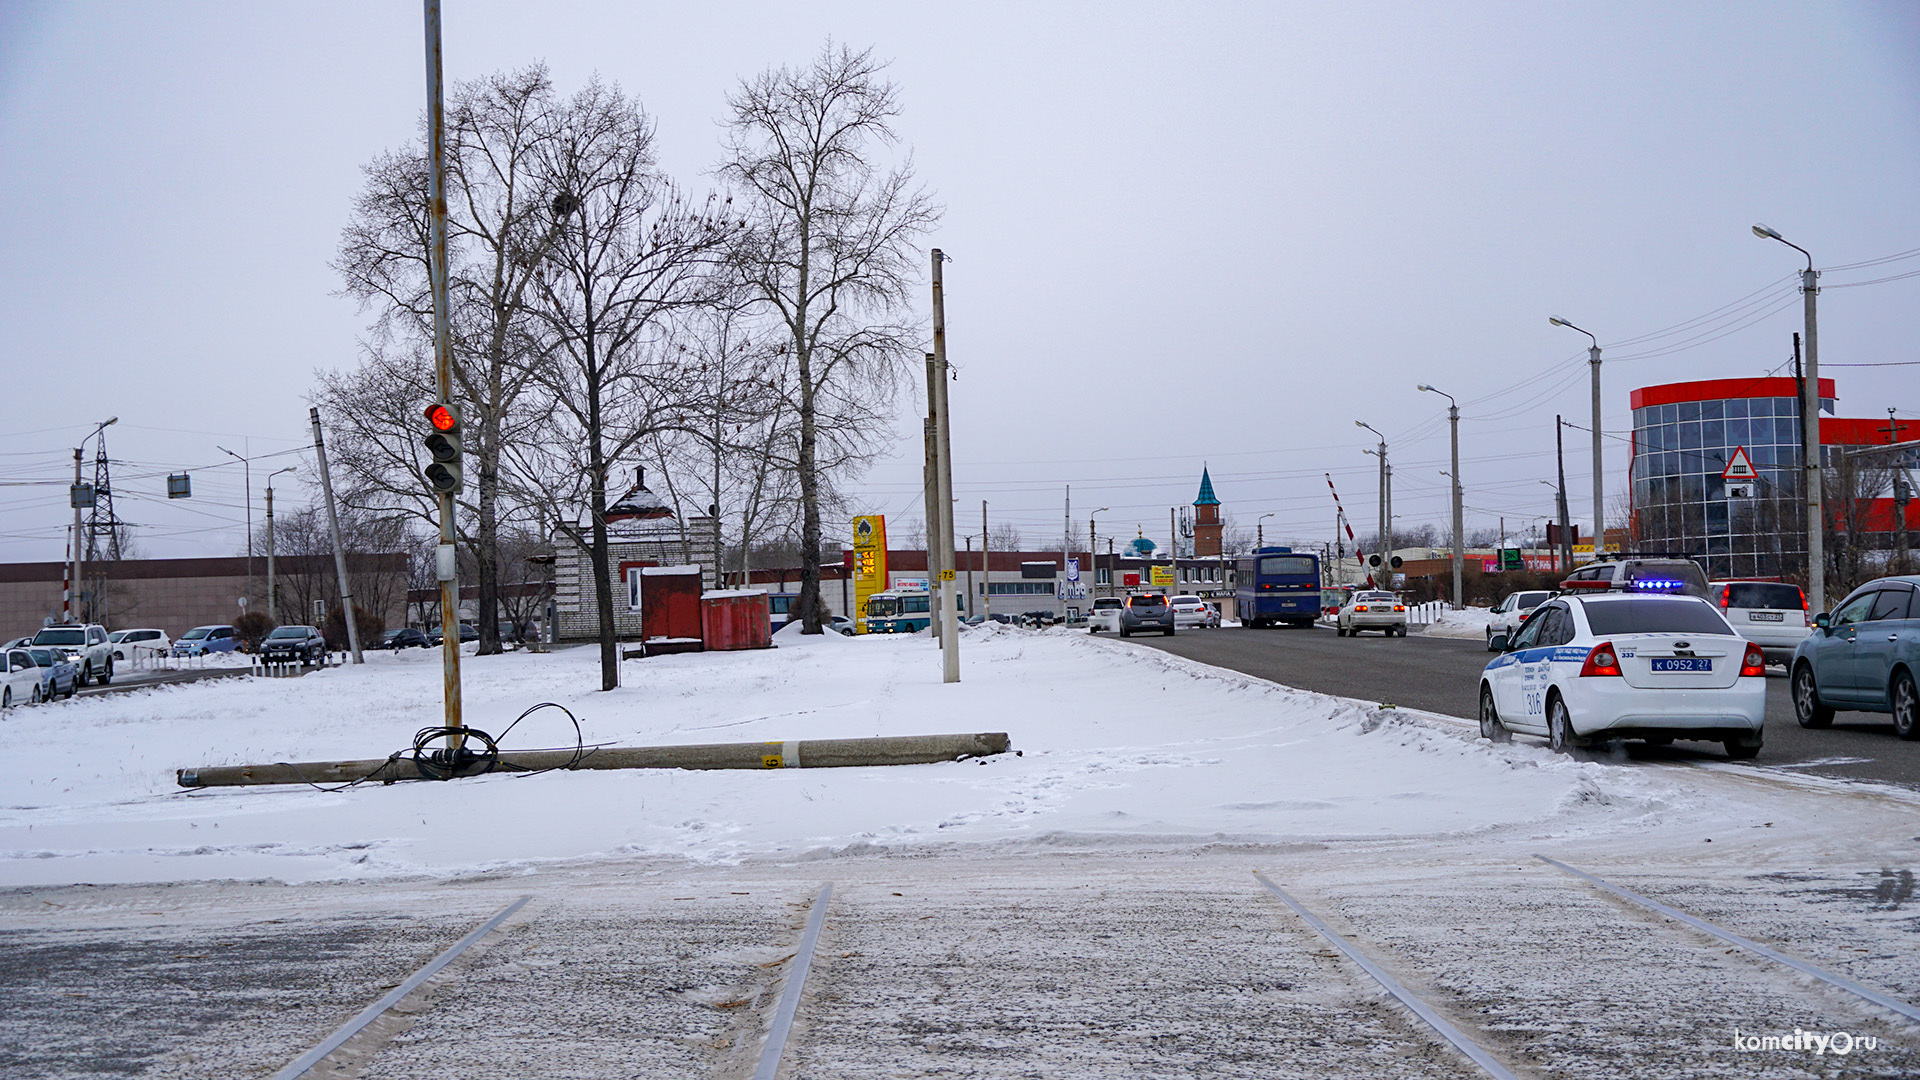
1180,234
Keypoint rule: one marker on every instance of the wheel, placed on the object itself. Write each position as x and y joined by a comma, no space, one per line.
1742,750
1807,707
86,675
1490,726
1168,632
1489,639
1124,632
1905,699
6,697
1560,734
73,688
34,698
108,676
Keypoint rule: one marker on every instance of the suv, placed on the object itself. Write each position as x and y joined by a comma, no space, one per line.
1146,611
1674,574
293,644
1512,610
1771,614
86,647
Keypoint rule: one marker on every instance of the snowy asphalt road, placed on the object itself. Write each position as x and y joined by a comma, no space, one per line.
1442,675
1037,963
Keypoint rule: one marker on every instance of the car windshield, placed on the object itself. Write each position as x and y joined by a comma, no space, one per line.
43,657
1650,616
196,633
288,632
1763,594
1525,600
1107,602
61,637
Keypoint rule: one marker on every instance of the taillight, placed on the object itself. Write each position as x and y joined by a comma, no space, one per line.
1601,661
1399,607
1726,597
1754,663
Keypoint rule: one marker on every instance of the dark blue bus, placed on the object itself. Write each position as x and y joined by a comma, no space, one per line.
1277,585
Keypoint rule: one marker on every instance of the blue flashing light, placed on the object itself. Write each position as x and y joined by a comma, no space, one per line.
1657,585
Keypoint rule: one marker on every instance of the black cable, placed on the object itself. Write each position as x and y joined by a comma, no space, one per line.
432,762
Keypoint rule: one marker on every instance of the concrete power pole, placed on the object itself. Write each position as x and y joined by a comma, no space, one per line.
339,550
1810,431
446,563
273,607
931,496
949,611
986,566
73,586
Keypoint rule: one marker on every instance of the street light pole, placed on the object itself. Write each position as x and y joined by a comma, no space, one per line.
1593,360
1459,551
1260,531
273,606
1810,434
246,466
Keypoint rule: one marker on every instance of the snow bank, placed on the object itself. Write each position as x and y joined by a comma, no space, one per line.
1466,623
1120,745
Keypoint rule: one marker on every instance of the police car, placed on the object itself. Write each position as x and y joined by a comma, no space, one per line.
1627,663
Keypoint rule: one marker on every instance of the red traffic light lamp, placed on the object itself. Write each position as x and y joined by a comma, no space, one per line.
443,444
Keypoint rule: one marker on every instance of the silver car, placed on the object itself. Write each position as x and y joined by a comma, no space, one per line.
1771,614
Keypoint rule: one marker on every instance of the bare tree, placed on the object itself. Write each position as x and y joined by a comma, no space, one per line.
831,251
627,255
498,229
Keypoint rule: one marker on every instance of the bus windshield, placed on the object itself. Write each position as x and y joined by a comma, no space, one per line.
883,607
1288,566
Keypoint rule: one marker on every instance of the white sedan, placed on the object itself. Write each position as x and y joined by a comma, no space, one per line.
1371,610
1624,665
1190,611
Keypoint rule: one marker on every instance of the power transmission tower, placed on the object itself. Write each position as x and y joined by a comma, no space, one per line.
103,532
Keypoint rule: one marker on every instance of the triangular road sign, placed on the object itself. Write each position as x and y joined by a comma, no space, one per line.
1739,466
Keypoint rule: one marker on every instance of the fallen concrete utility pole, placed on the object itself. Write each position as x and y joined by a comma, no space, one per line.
798,754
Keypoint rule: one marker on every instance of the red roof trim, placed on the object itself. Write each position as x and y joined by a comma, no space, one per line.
1721,389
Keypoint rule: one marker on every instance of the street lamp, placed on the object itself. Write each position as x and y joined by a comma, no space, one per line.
1459,552
248,468
73,590
1810,431
273,608
1260,531
1593,360
1384,541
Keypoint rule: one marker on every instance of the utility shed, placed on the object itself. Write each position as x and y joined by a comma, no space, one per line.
670,608
736,619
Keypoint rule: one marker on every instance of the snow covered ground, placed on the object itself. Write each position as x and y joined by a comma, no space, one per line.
1465,623
1118,745
1084,909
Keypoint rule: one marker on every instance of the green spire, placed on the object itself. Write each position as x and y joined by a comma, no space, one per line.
1206,490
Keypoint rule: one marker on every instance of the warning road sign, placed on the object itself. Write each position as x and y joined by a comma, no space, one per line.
1739,466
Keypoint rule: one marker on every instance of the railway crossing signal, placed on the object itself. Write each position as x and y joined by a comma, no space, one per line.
443,443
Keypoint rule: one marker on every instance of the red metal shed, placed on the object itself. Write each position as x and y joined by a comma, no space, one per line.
736,619
670,609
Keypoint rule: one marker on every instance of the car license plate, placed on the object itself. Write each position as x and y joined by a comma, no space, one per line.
1765,616
1682,663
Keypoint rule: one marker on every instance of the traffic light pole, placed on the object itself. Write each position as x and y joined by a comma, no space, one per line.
445,562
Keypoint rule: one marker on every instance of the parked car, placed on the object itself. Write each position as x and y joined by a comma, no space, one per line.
1771,614
1189,611
86,646
1371,609
155,642
17,643
293,644
840,624
1105,614
1039,619
1645,573
19,678
202,640
467,633
1146,611
1863,657
1599,666
1214,618
1512,610
58,676
404,638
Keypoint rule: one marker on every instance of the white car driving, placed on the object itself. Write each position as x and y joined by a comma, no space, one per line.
1190,611
1771,614
1626,665
1512,610
1372,610
1105,614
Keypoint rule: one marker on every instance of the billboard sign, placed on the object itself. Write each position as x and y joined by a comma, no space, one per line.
869,565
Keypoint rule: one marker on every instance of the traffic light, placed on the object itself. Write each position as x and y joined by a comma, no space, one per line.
443,443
